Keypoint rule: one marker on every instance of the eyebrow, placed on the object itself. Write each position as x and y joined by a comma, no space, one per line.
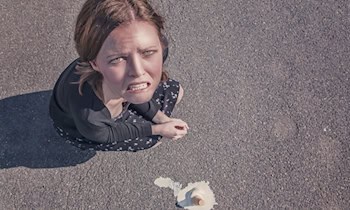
146,48
139,50
116,54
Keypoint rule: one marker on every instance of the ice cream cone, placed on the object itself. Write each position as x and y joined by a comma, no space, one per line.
197,201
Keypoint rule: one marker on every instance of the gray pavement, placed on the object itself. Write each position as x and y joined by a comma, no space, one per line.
266,97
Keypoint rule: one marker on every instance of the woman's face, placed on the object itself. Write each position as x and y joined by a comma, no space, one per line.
130,61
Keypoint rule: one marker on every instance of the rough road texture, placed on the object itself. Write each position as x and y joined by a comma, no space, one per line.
267,94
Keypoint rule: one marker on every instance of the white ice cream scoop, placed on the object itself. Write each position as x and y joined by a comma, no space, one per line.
196,196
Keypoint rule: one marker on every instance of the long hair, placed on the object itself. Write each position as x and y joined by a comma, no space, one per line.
96,20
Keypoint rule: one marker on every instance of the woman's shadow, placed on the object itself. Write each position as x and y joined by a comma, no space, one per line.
27,137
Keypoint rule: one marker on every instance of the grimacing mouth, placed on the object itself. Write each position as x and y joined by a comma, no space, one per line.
138,86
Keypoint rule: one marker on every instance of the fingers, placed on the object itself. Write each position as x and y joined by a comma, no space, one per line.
180,132
179,127
177,137
183,126
174,129
180,123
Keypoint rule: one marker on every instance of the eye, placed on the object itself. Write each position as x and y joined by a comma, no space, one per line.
117,60
149,52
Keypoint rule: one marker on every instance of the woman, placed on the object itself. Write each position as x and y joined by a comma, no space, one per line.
116,96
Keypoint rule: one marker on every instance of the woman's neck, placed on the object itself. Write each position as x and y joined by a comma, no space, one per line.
113,102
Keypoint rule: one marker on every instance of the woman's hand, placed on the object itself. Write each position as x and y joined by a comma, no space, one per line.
173,129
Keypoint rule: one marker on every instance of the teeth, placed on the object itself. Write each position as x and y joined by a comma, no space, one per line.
138,86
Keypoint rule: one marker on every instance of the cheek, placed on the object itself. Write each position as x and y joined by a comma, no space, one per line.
113,75
156,68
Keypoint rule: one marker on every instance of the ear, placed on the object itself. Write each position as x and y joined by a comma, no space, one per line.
93,65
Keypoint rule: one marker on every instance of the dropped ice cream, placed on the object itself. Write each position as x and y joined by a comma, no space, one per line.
196,196
168,183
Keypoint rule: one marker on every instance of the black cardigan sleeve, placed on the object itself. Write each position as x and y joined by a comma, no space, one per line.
94,122
148,110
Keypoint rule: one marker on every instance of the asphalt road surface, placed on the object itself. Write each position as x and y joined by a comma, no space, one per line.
267,94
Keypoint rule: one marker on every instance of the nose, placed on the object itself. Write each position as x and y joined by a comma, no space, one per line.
135,67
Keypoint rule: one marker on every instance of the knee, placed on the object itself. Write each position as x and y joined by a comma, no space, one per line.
180,95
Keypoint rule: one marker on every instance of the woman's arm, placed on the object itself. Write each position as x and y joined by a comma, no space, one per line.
148,109
96,126
173,129
160,118
92,121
